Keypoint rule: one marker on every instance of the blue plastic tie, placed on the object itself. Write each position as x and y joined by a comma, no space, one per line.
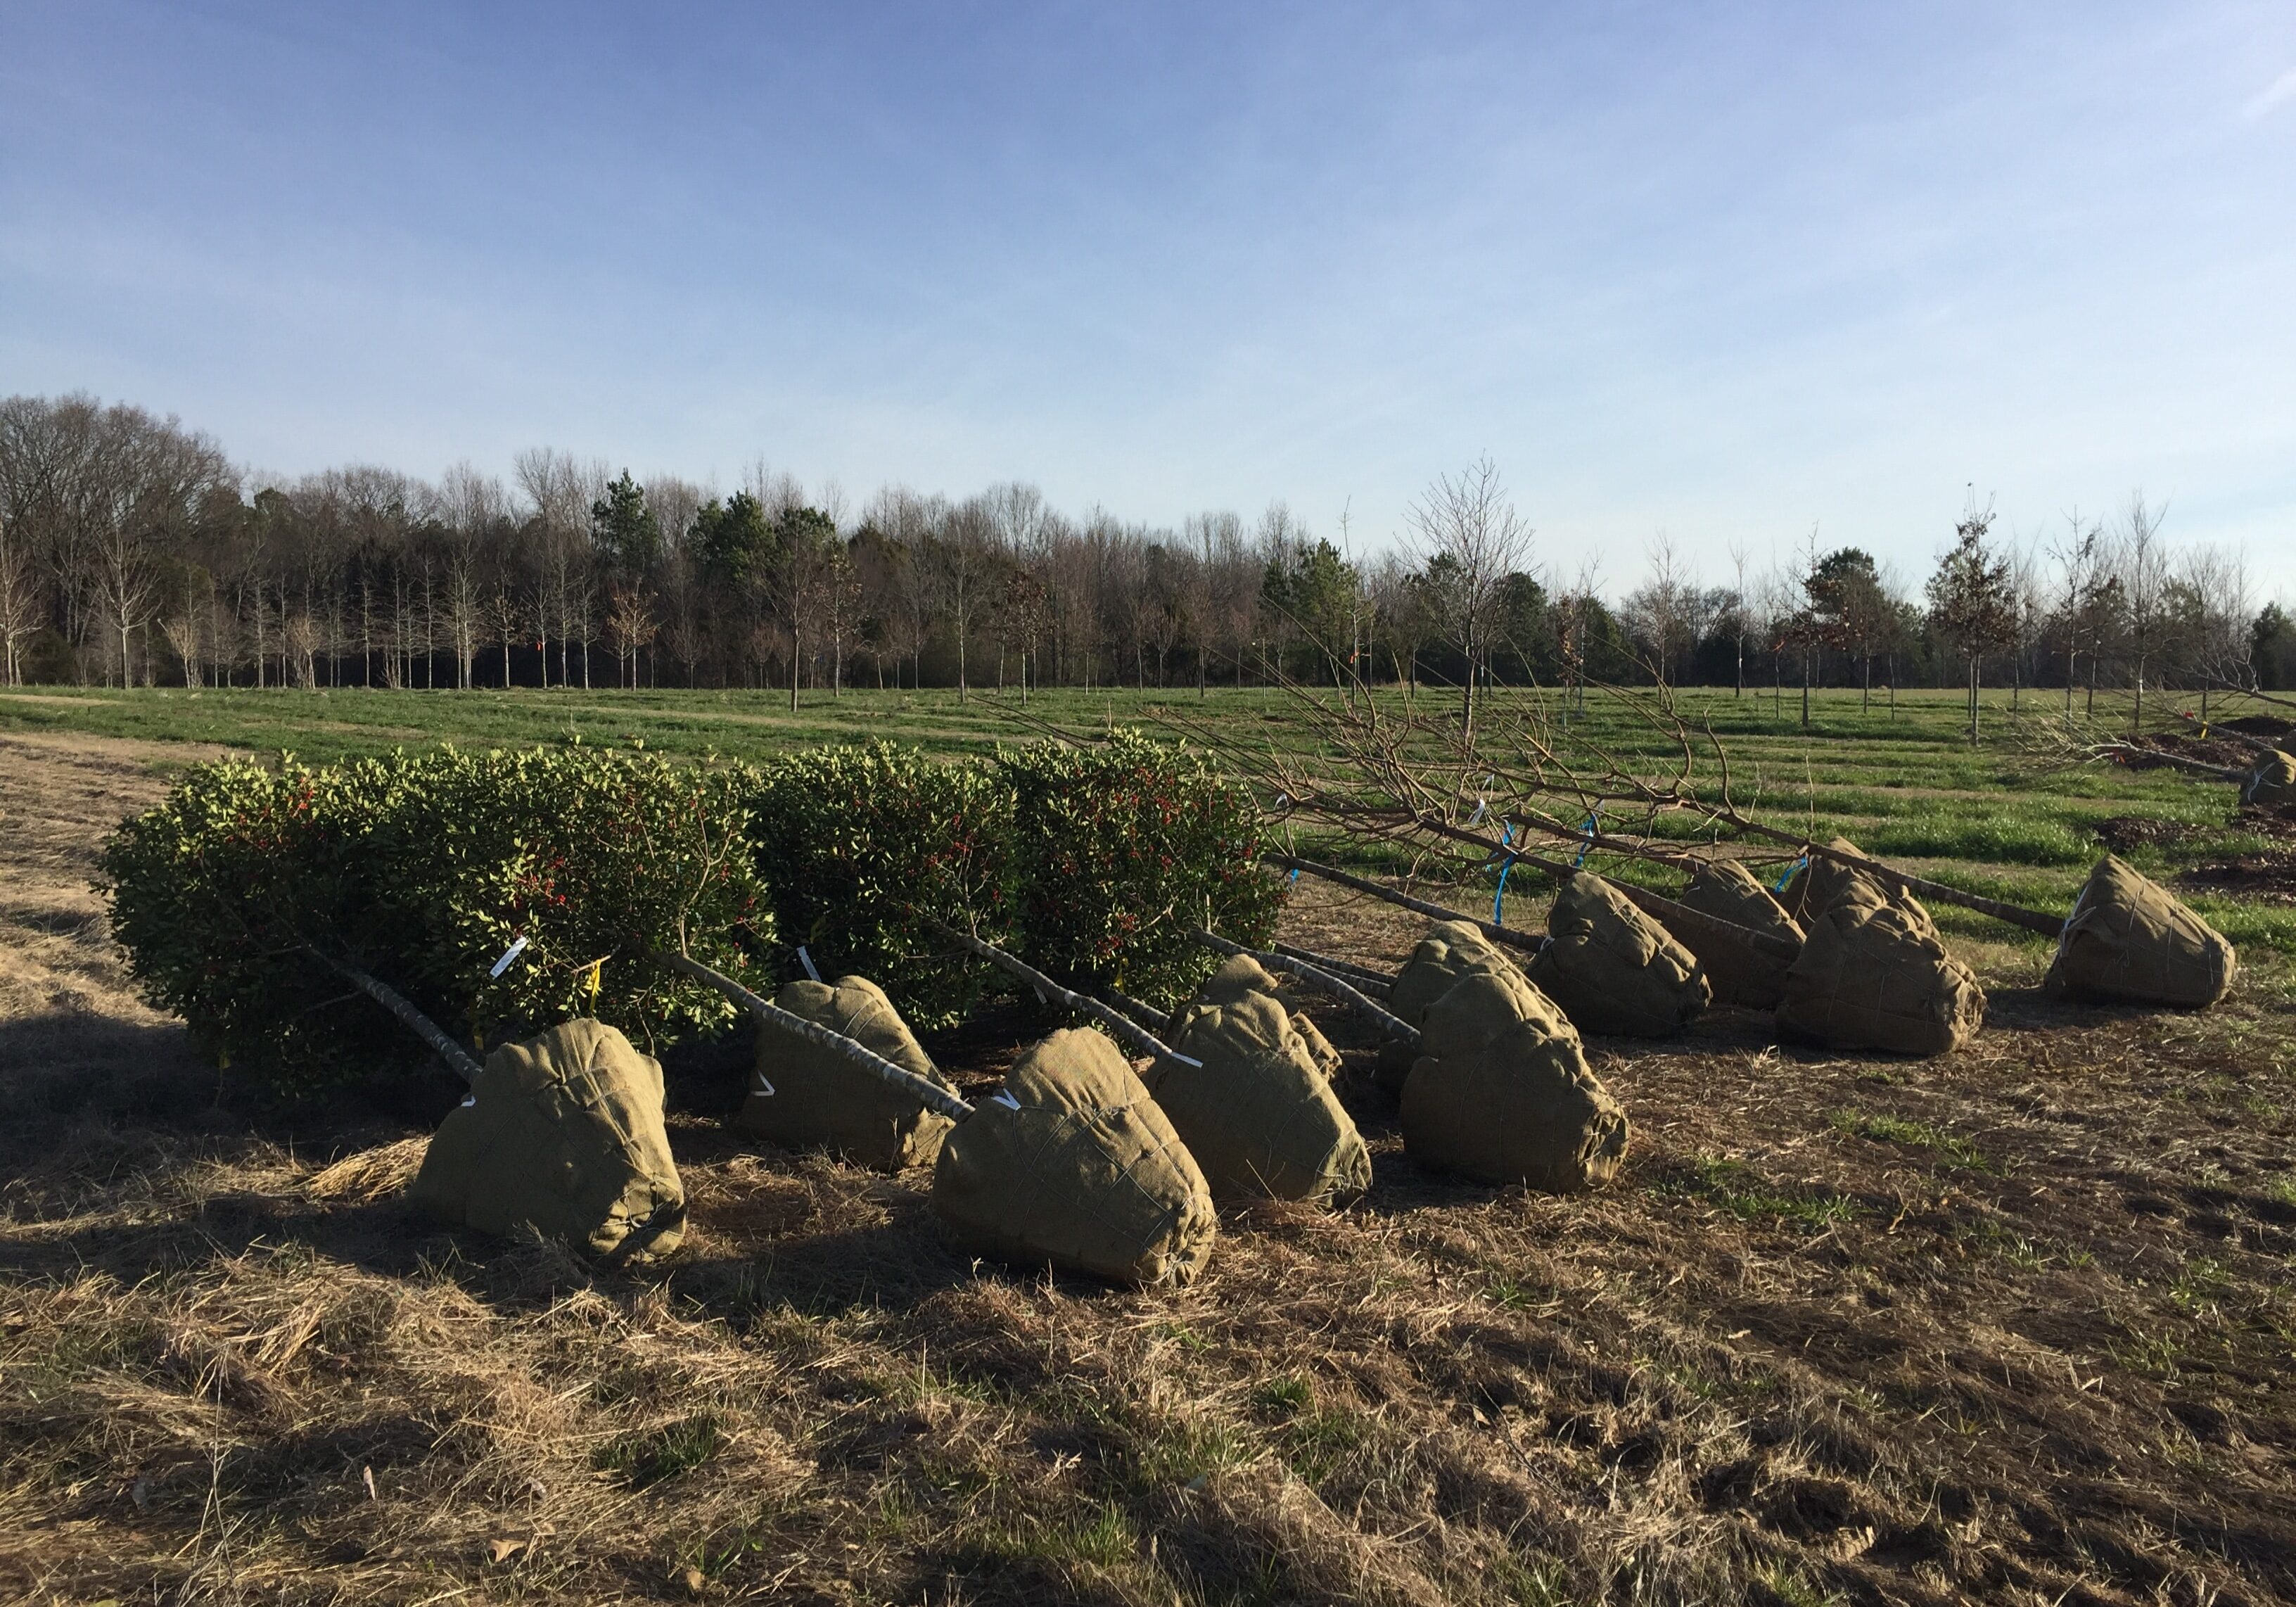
1498,898
1295,872
1789,876
1588,847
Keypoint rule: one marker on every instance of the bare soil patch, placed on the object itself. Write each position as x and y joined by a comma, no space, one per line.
2015,1327
2124,832
2208,750
2263,877
2266,820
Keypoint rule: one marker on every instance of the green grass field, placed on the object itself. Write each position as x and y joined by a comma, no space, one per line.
1903,782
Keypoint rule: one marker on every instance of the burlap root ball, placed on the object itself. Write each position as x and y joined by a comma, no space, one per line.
1613,969
2131,941
562,1134
1873,975
2272,781
804,1096
1740,975
1450,950
1501,1093
1257,1114
1813,889
1071,1164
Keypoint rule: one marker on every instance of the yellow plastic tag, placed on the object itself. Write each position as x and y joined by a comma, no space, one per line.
597,970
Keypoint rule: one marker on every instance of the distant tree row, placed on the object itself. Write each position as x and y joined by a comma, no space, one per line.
132,552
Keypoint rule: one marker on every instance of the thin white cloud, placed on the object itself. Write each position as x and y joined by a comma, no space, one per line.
2282,91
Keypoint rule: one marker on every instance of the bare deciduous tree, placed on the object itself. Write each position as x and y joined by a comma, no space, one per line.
2140,565
1466,525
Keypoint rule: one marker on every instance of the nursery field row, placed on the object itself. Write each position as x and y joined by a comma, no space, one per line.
1901,781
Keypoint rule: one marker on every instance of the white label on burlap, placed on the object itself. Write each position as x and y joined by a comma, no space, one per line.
2065,933
760,1086
1003,1097
806,960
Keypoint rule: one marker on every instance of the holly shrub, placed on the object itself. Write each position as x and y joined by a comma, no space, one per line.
422,870
855,842
1121,850
1094,863
219,893
597,857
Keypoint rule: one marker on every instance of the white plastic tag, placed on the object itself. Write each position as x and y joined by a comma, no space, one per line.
503,964
469,1100
1185,1059
806,960
760,1085
1003,1097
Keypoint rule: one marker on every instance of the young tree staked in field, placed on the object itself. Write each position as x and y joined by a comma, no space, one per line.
803,570
2212,608
1849,610
2082,598
1971,601
1313,588
1468,539
1578,616
1735,616
1664,611
472,511
963,565
1400,615
2141,564
1212,535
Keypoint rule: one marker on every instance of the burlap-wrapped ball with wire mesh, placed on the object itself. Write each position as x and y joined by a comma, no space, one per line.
2131,941
1242,976
2272,783
1451,950
1614,969
1739,974
1255,1111
806,1096
1816,884
1501,1093
1071,1164
1873,974
562,1134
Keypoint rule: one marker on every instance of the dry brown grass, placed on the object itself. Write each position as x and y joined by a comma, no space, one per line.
2012,1327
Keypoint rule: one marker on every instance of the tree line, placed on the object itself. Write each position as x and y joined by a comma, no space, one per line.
132,552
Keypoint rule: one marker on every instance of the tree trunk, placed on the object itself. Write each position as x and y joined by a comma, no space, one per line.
1973,700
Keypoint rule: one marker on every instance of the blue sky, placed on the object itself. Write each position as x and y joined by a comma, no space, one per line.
1720,272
